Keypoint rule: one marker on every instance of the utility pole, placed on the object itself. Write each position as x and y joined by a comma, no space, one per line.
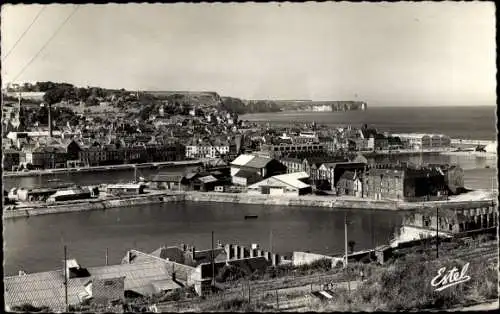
345,239
66,279
249,299
277,300
213,265
437,232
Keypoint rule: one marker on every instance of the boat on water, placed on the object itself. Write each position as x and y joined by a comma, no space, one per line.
54,180
251,217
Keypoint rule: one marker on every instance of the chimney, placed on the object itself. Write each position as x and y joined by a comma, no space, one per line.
227,248
193,251
235,251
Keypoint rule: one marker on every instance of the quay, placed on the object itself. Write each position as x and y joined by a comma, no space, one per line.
155,197
102,168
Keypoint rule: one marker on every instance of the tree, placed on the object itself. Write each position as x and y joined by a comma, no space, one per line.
82,94
92,101
53,96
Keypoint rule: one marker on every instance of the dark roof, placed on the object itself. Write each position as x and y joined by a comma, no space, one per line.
205,255
173,253
245,174
166,178
258,162
191,175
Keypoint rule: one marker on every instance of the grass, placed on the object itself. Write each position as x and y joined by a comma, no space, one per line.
237,304
406,285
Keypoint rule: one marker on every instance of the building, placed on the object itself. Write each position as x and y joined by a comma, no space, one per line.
403,182
424,141
196,265
253,167
349,184
167,181
204,183
10,159
277,151
290,184
46,157
104,284
450,219
329,173
125,189
206,150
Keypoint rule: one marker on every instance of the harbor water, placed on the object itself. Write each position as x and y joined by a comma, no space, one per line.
36,243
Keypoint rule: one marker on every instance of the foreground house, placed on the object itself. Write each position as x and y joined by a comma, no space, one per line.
450,219
103,284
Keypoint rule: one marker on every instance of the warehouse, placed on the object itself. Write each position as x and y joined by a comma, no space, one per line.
290,184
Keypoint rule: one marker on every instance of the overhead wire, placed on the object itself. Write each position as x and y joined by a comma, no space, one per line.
24,33
46,44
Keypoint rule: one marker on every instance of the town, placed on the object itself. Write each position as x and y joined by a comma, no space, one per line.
310,162
279,157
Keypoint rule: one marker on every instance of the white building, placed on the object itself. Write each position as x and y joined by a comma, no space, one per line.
289,184
206,151
424,141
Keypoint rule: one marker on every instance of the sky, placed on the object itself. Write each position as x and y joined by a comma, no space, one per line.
387,54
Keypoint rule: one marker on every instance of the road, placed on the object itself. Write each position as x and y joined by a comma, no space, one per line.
99,168
487,306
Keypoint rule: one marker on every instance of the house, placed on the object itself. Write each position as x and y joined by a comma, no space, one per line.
104,284
349,184
204,183
245,177
290,184
262,166
167,181
10,159
46,157
332,171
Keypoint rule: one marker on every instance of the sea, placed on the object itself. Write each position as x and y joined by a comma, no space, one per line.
36,243
474,122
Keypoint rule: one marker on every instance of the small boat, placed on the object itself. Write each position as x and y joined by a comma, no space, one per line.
54,180
251,217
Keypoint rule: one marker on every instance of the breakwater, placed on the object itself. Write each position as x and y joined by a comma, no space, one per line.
91,205
327,203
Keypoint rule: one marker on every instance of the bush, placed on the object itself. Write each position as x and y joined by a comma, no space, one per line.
26,307
230,273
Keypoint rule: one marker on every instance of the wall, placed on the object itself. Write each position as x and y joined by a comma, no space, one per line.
304,258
